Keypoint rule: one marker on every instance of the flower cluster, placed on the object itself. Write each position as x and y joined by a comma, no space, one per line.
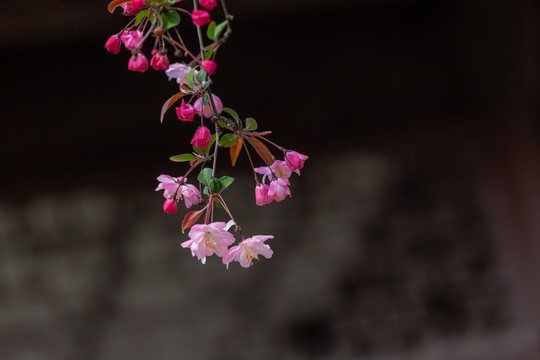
157,22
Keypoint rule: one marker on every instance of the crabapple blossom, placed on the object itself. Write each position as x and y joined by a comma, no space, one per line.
159,61
186,112
114,44
207,109
133,7
180,72
169,206
248,250
295,160
208,239
208,4
169,185
138,62
209,66
261,195
131,39
190,194
202,137
200,17
279,189
278,169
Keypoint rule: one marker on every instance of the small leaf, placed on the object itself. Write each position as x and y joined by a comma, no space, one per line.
236,149
198,150
141,16
191,75
206,85
183,157
191,218
208,54
219,29
210,30
215,185
205,99
251,124
232,113
169,103
201,75
228,140
186,87
223,124
226,181
170,19
115,3
205,175
262,150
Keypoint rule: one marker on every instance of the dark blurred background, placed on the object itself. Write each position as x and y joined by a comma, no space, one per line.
412,233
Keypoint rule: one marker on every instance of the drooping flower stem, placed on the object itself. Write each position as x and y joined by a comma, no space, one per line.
251,162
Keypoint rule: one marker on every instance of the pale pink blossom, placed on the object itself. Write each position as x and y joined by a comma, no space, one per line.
261,195
248,250
208,4
169,206
295,161
209,66
202,137
138,62
177,188
186,112
279,189
278,169
207,109
114,44
180,72
200,17
131,39
159,61
206,240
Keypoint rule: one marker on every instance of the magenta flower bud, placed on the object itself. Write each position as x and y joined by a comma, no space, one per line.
200,17
295,161
113,44
208,4
131,39
170,206
160,61
202,137
261,195
138,62
209,66
186,112
133,7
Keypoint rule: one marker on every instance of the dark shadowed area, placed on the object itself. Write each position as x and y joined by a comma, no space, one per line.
413,232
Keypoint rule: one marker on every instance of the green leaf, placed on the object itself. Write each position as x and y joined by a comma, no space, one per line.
219,29
251,124
232,113
215,185
226,181
228,140
205,175
191,76
208,53
201,75
205,99
170,19
206,85
210,30
205,190
140,17
183,157
223,124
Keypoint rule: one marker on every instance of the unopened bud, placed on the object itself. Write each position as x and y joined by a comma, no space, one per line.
159,31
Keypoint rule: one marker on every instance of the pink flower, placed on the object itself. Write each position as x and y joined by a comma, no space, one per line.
160,61
186,112
248,250
205,240
170,206
133,7
131,39
138,62
278,169
113,44
208,4
200,17
180,72
295,161
209,66
279,189
207,109
261,195
176,188
202,137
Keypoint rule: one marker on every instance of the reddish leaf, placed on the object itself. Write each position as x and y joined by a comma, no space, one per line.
262,150
115,3
186,87
236,149
169,103
191,218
